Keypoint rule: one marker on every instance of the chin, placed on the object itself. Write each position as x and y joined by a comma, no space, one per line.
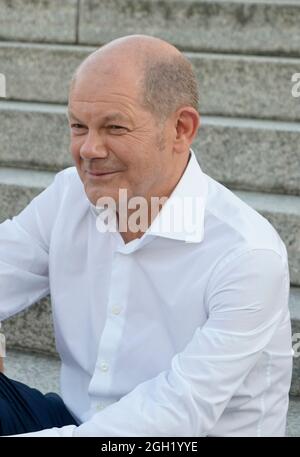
94,196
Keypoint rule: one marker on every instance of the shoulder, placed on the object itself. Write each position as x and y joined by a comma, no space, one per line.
67,184
67,177
236,226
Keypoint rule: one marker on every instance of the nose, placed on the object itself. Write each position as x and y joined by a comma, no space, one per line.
93,146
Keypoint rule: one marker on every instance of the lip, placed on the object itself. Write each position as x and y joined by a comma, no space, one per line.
94,174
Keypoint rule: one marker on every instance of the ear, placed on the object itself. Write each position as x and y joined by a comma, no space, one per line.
186,123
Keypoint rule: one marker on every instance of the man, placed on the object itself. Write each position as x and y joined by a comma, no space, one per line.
177,328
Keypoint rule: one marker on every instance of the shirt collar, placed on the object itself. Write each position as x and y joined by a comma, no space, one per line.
182,216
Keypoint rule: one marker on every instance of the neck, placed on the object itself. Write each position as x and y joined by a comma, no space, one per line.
163,195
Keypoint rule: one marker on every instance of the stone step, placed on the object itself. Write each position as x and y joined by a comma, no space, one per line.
293,422
36,370
41,72
294,305
42,373
249,154
37,133
19,186
230,85
54,21
259,155
32,329
244,26
283,212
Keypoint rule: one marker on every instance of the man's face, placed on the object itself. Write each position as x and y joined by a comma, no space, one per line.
115,143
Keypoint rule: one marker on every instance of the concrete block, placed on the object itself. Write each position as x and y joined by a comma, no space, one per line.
206,25
249,154
35,370
34,135
230,85
38,20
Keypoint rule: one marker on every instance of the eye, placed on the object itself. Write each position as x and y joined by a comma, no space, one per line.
117,128
77,126
78,129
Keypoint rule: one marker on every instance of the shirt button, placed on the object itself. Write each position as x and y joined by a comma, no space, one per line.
116,310
104,366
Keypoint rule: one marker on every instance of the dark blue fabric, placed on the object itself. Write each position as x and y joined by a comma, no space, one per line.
23,409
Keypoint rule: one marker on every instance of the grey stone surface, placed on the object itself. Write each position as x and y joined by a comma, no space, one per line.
293,420
38,20
283,212
34,135
37,72
32,329
242,154
246,86
18,188
229,85
38,371
26,177
42,373
246,26
249,154
295,314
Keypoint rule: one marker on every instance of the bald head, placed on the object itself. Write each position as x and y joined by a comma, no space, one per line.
163,76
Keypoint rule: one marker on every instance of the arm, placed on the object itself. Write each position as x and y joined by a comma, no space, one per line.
245,297
24,245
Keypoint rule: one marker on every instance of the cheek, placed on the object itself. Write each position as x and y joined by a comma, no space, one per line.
74,149
75,144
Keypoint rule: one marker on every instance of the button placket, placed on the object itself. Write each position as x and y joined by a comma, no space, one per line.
113,329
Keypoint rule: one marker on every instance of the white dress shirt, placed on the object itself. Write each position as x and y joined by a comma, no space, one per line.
172,334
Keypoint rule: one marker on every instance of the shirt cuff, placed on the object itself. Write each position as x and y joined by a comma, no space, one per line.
54,432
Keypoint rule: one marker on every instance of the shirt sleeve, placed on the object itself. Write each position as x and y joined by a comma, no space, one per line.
246,297
24,247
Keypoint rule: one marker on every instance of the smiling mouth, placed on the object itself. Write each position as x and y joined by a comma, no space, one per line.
99,174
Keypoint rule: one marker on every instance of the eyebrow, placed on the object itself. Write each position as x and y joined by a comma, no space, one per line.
108,118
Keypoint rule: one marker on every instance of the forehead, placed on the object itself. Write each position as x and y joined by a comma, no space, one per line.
107,109
98,95
110,116
95,80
